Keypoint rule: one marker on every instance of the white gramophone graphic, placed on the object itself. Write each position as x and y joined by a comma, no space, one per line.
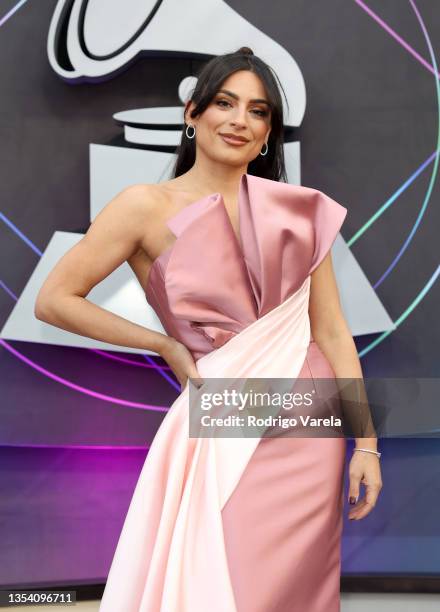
93,40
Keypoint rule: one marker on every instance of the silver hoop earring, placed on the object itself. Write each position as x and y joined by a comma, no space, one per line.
267,149
194,132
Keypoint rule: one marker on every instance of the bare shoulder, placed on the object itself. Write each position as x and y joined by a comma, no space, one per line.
126,218
149,205
141,198
157,200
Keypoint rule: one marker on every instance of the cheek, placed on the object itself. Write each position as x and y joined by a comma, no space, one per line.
261,129
213,117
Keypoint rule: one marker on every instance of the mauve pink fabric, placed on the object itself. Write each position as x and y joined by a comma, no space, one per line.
208,283
237,525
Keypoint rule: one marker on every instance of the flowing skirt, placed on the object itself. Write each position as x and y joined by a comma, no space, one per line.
236,524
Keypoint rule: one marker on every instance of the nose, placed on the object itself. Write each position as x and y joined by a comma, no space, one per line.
239,117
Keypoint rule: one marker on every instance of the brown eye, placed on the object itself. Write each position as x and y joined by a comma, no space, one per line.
260,113
221,102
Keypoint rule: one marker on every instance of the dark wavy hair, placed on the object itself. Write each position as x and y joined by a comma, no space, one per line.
210,79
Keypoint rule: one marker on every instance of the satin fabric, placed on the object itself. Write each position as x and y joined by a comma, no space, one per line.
210,283
237,524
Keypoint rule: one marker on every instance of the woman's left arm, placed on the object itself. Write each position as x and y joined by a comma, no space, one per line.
330,331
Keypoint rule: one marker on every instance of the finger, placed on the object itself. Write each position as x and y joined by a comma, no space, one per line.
197,381
371,495
353,490
195,377
354,511
367,503
360,511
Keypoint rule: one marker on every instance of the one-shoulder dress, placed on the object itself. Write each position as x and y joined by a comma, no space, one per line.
237,525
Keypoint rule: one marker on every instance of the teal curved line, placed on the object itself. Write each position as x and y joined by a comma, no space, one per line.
392,199
431,282
395,196
403,316
9,14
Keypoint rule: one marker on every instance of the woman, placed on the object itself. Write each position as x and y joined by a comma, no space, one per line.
237,265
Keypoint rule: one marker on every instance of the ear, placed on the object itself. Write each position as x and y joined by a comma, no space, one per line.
189,106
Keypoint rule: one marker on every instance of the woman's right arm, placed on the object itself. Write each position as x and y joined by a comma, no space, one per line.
113,237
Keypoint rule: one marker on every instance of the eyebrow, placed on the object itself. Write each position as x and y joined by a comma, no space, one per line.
234,95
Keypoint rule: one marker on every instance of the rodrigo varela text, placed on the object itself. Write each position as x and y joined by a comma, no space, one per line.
269,421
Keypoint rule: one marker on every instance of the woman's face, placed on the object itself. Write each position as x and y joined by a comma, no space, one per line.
239,109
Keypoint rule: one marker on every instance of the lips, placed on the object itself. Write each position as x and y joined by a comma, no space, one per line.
235,140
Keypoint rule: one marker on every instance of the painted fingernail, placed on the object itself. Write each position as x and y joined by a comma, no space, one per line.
352,500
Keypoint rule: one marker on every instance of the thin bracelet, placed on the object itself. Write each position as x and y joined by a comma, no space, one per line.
367,450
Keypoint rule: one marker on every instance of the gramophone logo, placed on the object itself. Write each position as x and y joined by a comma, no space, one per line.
95,40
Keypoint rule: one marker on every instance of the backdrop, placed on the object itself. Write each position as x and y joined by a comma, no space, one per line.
77,421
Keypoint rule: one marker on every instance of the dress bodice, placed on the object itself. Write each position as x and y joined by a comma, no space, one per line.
209,285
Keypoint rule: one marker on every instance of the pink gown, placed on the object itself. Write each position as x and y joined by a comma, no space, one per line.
250,524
